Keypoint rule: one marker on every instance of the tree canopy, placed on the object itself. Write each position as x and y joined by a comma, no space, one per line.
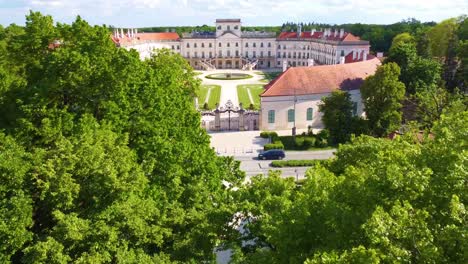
102,157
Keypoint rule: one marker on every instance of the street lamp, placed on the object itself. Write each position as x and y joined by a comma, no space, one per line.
294,116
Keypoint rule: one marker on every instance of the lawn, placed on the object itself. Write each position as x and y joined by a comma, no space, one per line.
255,91
214,95
269,76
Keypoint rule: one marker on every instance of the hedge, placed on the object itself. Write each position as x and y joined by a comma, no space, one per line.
293,163
268,134
276,145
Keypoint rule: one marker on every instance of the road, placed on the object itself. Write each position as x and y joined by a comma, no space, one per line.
252,166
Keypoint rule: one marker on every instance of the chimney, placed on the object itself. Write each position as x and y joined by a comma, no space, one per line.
310,62
121,33
336,33
299,30
341,33
313,31
342,60
285,65
136,31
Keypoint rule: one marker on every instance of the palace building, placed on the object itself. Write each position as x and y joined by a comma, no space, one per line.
231,48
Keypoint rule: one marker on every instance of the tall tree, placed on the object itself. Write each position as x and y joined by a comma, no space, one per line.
338,116
382,94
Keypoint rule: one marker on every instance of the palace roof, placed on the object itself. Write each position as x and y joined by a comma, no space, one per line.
321,79
144,37
234,20
347,37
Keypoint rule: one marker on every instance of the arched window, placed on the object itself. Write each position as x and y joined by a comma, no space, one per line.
291,115
271,116
188,45
310,114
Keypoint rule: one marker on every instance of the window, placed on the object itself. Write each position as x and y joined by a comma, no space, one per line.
228,44
254,45
290,115
203,45
254,54
178,47
188,45
354,108
220,54
219,27
195,45
188,54
310,114
279,46
228,27
278,63
196,55
279,54
229,53
237,44
269,44
173,47
261,53
211,55
271,116
219,44
246,54
236,27
209,45
246,44
261,44
237,53
203,54
269,53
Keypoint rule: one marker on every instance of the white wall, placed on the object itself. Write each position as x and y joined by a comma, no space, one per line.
281,105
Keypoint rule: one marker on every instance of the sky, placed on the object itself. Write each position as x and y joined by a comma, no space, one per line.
145,13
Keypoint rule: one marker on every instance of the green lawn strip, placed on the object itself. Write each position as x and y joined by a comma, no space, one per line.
271,75
214,96
243,96
294,163
255,91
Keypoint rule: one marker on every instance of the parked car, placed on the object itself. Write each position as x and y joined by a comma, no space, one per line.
272,154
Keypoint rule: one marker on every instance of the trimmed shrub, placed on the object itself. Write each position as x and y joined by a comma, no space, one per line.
308,142
293,163
205,106
324,134
268,134
321,143
299,141
276,145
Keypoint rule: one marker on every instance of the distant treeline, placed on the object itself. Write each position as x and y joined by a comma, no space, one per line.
380,36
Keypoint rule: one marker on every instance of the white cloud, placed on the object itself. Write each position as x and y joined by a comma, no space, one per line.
254,12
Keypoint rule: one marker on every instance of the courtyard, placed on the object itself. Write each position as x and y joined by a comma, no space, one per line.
244,90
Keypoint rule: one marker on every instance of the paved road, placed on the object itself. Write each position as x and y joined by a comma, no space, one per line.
252,166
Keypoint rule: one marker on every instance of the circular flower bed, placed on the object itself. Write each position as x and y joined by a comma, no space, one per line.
229,76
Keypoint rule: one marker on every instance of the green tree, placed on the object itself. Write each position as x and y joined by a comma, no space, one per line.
338,116
402,38
382,94
440,35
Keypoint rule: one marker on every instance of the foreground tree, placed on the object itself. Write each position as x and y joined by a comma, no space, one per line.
115,166
382,94
378,201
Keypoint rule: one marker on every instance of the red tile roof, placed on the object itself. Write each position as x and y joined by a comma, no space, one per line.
147,37
319,35
321,79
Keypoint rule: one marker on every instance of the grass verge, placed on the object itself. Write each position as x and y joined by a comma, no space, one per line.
215,95
293,163
255,91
